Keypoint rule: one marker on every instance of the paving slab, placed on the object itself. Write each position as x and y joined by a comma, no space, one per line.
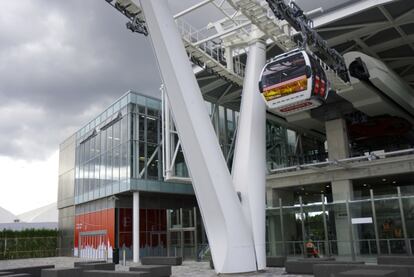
187,269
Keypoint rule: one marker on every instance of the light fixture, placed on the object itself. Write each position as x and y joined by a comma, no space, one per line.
394,182
364,185
302,188
384,180
328,186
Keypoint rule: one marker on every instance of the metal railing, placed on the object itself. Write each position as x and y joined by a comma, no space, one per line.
28,247
366,247
345,162
373,226
213,50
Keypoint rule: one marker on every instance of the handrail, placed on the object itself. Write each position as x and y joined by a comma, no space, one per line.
372,156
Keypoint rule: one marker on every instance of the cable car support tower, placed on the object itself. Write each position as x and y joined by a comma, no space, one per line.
232,205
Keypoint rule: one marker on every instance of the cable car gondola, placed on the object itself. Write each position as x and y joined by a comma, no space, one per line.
293,82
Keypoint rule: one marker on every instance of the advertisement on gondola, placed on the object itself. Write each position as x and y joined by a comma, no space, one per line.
284,77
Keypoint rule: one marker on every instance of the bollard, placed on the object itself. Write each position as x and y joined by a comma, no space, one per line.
124,257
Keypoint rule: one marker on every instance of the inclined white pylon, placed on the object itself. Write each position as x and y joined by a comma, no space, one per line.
230,238
249,161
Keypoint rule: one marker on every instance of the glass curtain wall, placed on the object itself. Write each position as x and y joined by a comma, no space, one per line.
121,143
357,229
280,142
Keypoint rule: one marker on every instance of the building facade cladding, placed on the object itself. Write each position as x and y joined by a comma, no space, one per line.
66,196
121,144
119,152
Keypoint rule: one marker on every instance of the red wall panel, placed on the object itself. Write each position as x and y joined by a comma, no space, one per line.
96,221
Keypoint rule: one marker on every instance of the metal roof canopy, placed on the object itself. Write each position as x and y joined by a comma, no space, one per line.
383,29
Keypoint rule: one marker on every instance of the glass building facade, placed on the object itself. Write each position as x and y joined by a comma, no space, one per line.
121,144
359,229
120,151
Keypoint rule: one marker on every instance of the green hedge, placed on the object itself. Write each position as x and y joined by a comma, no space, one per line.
29,243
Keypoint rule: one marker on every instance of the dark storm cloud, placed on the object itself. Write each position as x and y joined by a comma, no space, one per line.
61,62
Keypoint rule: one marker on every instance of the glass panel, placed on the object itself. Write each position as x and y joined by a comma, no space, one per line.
142,159
141,100
141,129
103,141
109,138
230,126
91,178
408,206
124,100
102,174
110,111
116,133
180,165
274,235
124,167
87,150
98,144
152,112
141,109
115,169
92,147
135,159
390,227
109,173
293,231
124,129
364,234
314,229
96,179
117,106
152,130
152,169
222,124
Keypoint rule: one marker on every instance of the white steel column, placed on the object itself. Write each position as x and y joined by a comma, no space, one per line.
229,236
135,226
249,162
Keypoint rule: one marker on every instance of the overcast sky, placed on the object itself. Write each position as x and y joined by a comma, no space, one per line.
61,63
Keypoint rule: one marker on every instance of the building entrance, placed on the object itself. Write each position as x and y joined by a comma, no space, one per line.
182,233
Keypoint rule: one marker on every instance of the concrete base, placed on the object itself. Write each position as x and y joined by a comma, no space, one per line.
3,273
275,261
98,266
18,275
34,271
79,264
368,272
305,266
395,260
62,272
329,270
161,260
105,273
316,260
154,270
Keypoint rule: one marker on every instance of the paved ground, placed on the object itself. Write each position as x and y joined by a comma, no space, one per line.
189,268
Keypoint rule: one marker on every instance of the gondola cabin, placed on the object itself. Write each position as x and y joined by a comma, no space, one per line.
293,82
